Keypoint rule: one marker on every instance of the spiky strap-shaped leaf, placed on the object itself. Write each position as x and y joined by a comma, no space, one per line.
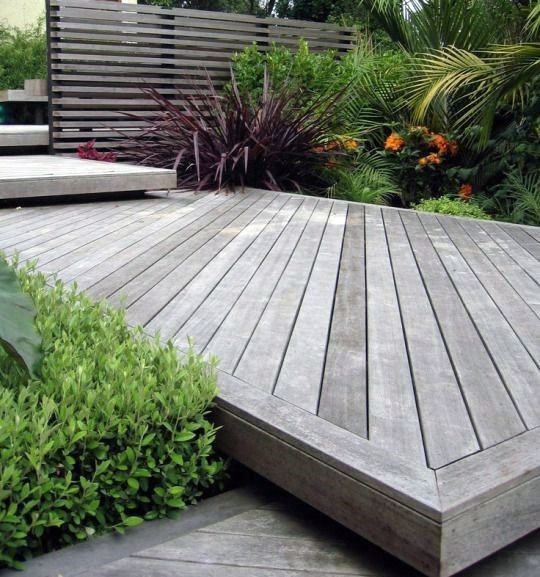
18,335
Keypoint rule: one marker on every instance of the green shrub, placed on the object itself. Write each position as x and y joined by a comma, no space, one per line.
452,206
310,73
23,55
114,433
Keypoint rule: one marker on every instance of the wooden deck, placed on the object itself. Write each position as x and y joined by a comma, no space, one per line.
23,177
380,364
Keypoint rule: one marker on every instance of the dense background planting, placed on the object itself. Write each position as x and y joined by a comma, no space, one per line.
23,55
113,433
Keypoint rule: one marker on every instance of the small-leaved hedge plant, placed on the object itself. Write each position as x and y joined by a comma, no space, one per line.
115,431
451,206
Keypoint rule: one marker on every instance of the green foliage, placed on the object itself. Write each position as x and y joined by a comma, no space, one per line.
372,180
452,206
114,432
375,101
308,73
23,55
18,335
517,198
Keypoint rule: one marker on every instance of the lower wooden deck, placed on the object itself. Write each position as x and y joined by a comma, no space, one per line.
380,364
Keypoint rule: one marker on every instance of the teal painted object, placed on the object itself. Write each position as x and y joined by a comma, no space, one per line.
3,114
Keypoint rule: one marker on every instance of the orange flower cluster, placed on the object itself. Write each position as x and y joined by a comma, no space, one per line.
444,146
394,142
350,144
465,191
432,158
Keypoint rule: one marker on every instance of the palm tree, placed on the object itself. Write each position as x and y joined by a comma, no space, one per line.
468,56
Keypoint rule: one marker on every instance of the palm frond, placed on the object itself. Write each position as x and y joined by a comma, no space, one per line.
373,181
474,85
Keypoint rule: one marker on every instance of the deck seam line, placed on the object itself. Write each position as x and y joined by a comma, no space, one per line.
235,262
443,337
299,306
286,264
488,293
156,314
480,336
239,296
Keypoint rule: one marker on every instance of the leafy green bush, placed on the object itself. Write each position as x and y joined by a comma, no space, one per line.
23,55
115,431
452,206
312,74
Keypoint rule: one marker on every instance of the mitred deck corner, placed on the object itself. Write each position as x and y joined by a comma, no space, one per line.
380,364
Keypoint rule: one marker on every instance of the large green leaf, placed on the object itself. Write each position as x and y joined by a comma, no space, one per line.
18,335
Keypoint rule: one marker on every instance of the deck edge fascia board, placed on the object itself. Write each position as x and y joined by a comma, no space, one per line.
335,447
389,523
465,484
489,526
87,184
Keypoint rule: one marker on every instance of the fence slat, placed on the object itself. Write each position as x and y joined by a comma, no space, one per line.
102,53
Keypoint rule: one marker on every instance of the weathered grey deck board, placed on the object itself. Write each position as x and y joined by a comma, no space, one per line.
170,270
492,411
144,224
14,232
191,229
524,239
71,227
268,553
446,426
344,390
515,364
523,257
512,306
178,310
178,219
77,244
300,377
260,364
232,337
203,323
393,417
293,291
522,283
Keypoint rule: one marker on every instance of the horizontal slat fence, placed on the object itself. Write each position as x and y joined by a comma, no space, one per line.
101,53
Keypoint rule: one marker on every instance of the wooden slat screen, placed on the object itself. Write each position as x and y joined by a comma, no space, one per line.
100,53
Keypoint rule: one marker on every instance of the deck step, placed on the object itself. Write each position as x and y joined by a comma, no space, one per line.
41,175
21,137
255,531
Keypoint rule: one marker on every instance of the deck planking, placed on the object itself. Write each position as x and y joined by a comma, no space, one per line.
375,362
